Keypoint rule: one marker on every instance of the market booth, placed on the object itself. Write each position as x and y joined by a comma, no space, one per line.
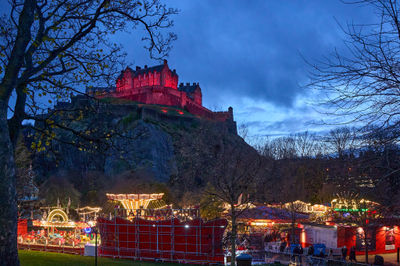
362,224
334,226
264,225
380,239
355,222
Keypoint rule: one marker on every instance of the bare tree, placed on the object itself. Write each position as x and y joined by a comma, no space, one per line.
342,140
380,163
243,131
305,144
234,180
279,148
362,83
49,49
265,148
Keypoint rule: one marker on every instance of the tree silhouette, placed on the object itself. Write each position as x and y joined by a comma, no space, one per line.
49,49
235,175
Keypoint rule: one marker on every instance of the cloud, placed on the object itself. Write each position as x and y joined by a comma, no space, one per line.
246,54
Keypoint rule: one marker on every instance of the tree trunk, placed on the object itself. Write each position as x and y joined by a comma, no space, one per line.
366,246
8,209
233,236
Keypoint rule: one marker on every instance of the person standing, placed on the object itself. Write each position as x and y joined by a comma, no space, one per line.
282,246
330,256
344,252
300,253
311,251
352,254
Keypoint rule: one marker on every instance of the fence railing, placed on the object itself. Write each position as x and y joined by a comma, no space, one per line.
289,258
192,241
52,248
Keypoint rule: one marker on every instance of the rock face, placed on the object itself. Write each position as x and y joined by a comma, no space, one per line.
146,147
169,144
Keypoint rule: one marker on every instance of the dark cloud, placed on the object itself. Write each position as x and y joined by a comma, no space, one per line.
286,127
253,49
251,110
255,124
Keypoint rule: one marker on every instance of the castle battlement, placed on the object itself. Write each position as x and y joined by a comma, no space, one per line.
159,85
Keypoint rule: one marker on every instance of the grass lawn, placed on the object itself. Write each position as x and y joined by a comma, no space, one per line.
40,258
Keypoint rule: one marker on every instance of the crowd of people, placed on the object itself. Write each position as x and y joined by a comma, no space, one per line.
352,254
297,253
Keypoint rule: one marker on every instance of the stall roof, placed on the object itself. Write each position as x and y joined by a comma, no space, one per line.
270,213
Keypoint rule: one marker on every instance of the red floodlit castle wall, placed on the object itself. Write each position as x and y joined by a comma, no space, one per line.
194,241
159,85
133,82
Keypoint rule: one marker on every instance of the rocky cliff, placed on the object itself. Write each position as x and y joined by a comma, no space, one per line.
165,144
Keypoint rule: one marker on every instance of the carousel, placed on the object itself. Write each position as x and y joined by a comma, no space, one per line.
134,205
135,201
58,229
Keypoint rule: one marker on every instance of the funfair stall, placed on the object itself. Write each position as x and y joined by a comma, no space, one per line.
355,222
267,226
56,232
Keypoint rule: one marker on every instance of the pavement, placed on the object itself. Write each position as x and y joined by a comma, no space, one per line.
389,259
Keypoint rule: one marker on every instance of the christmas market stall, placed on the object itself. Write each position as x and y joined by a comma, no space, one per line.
265,225
355,223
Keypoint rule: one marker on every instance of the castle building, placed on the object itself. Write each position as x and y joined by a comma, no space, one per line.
159,85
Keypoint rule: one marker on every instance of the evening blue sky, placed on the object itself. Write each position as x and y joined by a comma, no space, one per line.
248,55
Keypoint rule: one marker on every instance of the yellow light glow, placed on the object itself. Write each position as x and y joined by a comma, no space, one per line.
303,237
57,212
262,223
135,201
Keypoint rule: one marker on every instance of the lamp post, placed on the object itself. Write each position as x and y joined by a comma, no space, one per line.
95,245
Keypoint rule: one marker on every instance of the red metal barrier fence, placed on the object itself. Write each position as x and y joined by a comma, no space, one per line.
193,241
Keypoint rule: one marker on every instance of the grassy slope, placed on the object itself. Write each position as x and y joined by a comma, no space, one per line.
39,258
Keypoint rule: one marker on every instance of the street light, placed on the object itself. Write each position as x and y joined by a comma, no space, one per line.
94,230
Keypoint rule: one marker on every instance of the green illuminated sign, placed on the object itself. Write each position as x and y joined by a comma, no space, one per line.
350,210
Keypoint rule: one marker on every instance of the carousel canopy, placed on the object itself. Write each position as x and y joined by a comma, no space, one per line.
135,201
88,210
